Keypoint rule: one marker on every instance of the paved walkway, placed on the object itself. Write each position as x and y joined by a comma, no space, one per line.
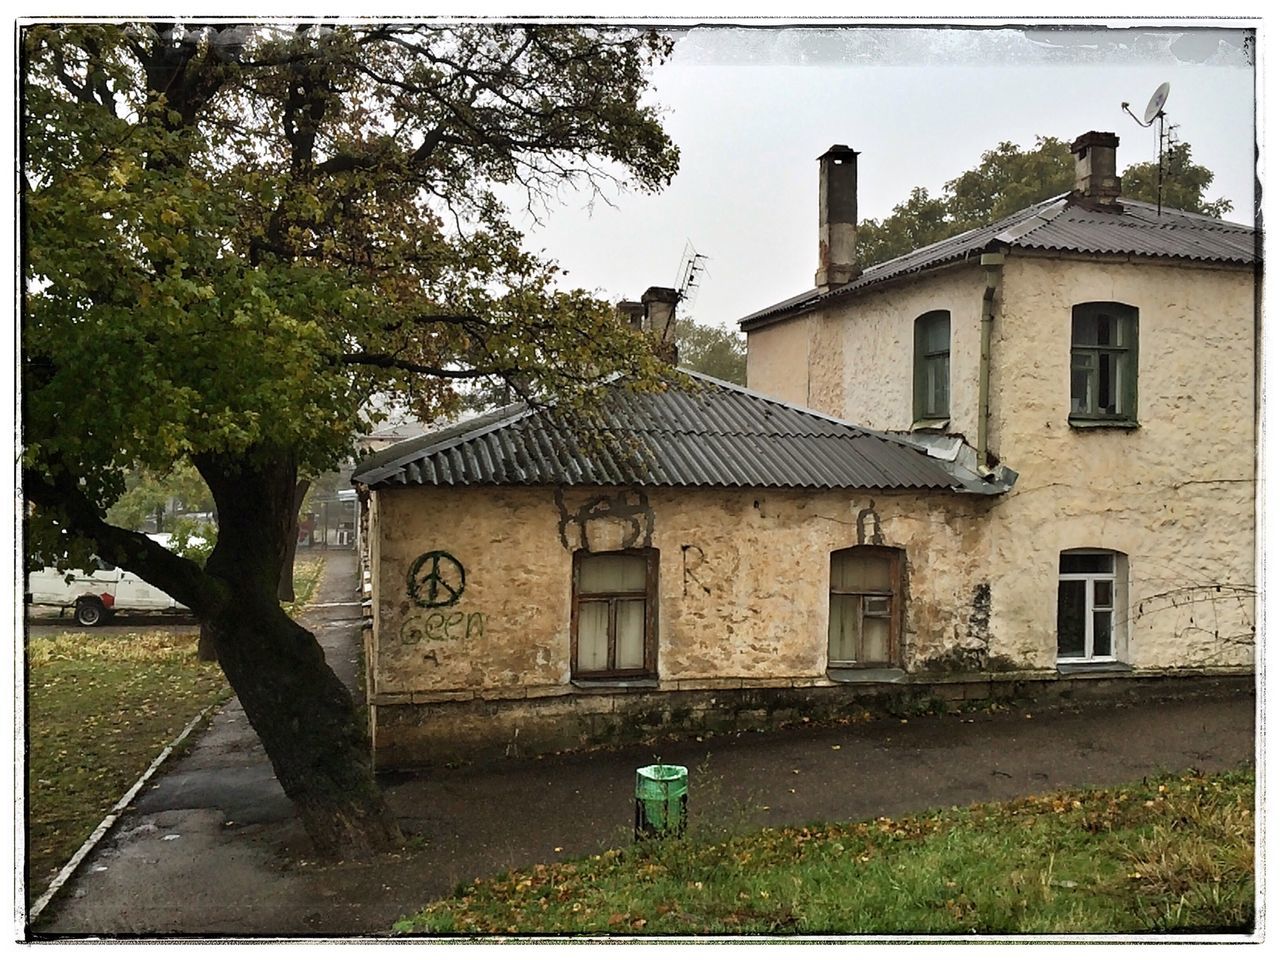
213,847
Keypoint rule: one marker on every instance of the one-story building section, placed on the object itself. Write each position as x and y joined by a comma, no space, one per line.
697,558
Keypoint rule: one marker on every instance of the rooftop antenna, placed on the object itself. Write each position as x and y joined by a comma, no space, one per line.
1154,112
687,279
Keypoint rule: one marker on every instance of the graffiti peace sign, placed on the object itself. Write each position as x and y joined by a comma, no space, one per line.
436,579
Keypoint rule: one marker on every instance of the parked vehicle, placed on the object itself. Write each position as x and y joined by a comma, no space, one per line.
97,594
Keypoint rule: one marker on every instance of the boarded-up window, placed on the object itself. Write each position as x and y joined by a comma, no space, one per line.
613,614
864,607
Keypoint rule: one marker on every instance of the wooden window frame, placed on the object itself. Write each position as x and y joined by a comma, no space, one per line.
895,558
650,598
1127,316
925,357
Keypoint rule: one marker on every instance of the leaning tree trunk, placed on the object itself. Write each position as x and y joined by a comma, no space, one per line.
304,715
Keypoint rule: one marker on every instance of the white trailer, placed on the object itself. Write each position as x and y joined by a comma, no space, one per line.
97,594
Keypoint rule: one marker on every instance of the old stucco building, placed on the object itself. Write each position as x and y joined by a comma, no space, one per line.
1107,352
1050,487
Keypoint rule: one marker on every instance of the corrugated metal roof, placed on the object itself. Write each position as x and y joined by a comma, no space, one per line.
701,433
1059,225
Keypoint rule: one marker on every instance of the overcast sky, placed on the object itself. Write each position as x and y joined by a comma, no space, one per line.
752,108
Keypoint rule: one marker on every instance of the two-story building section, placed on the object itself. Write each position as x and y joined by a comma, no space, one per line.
1106,351
1017,463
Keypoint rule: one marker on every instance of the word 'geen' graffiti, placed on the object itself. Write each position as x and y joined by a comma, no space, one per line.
441,627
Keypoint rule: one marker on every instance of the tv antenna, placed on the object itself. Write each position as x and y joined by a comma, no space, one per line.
687,280
1165,136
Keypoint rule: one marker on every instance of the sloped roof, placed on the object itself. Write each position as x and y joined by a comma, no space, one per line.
1055,225
701,433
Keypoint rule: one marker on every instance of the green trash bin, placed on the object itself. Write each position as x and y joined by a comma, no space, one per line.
662,800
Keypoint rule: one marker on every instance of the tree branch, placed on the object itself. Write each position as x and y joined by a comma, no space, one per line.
182,579
388,362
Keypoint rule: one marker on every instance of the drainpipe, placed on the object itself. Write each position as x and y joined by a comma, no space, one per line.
991,264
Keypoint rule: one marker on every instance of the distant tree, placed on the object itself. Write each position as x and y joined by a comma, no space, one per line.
715,351
148,494
1184,183
1008,179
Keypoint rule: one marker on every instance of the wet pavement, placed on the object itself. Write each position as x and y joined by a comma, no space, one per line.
212,847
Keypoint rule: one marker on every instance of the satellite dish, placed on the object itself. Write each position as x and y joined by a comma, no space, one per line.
1156,104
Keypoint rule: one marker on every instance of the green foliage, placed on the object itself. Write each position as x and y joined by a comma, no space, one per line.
194,539
1185,183
1171,853
1008,179
237,235
714,351
148,495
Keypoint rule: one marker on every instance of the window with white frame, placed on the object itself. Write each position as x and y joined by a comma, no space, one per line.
1091,588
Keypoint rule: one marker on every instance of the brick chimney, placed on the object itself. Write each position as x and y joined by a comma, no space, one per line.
837,217
660,308
1097,184
631,314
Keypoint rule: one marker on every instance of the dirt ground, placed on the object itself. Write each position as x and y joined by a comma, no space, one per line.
213,848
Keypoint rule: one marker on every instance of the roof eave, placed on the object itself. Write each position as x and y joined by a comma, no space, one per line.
855,289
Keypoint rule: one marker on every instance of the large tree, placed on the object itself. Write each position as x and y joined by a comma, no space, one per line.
234,236
1008,179
712,350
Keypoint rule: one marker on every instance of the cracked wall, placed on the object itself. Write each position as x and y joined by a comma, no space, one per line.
743,580
1176,495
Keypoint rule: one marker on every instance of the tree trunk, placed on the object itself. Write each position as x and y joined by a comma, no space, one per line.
304,715
285,593
306,719
206,649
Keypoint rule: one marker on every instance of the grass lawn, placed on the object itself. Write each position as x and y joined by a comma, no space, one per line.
100,707
1169,854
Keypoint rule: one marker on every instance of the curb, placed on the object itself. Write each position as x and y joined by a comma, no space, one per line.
112,816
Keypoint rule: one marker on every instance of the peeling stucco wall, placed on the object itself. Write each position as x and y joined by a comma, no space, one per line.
1176,494
743,575
860,353
742,587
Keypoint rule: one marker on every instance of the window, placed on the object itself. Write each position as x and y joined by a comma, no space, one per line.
1092,586
1104,363
863,627
614,614
933,366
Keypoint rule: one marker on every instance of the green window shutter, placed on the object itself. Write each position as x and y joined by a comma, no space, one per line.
1130,386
